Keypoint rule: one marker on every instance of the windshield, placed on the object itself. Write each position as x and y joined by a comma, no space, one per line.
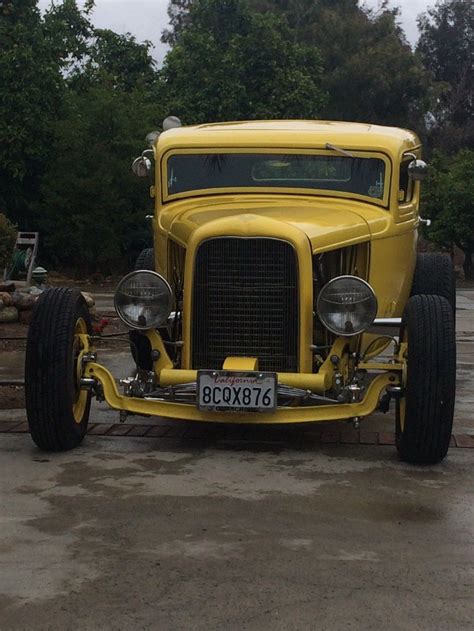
193,172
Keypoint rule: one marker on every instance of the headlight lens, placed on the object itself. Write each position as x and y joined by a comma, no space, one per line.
143,300
347,305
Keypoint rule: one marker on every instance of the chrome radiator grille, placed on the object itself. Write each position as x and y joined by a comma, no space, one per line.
245,303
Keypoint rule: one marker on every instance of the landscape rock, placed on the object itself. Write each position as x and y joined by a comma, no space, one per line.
23,302
35,291
6,298
8,314
88,298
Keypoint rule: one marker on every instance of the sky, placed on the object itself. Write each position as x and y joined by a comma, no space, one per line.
146,19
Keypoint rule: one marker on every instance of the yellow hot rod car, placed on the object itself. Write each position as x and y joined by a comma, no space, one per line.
284,286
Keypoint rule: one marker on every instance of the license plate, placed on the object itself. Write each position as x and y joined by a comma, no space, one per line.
237,391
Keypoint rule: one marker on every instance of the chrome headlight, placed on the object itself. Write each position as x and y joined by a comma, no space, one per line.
143,300
347,305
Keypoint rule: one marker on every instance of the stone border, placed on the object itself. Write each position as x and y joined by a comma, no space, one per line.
239,433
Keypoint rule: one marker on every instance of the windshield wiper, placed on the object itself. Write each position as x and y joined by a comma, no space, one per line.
339,150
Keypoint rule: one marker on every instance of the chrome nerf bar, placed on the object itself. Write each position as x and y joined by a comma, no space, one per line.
390,326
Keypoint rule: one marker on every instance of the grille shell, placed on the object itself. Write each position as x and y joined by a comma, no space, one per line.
245,303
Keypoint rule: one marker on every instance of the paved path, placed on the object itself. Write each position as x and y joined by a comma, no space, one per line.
133,533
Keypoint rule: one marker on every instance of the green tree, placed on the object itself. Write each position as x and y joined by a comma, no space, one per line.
30,98
230,64
370,71
75,106
92,207
36,52
118,60
368,68
446,47
448,200
178,16
92,213
68,32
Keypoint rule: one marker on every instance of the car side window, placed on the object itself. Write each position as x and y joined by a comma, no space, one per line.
405,186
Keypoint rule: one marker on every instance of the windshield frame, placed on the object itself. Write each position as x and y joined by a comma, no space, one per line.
280,190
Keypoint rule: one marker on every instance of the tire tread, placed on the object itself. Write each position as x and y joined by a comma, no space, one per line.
49,388
145,260
431,380
434,275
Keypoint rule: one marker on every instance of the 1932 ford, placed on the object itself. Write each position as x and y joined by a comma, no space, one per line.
283,287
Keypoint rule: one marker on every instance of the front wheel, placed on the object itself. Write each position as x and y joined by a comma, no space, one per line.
424,415
56,406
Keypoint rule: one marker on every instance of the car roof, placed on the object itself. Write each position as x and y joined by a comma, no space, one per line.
294,134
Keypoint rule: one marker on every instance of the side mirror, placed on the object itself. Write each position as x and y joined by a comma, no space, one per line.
417,170
141,166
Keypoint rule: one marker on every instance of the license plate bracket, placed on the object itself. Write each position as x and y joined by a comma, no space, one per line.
235,391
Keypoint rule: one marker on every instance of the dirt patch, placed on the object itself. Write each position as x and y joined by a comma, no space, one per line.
96,283
12,397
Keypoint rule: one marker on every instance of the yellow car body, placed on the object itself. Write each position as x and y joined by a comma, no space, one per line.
372,236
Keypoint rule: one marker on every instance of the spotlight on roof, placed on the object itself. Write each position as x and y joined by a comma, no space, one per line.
152,137
171,122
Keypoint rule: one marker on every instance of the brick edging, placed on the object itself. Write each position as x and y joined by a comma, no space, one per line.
231,432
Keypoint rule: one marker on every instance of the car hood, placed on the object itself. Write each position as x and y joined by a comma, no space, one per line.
327,223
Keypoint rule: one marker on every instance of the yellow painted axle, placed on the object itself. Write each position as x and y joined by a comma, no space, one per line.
189,412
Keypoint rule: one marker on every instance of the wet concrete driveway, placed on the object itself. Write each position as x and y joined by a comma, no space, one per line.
152,534
242,530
